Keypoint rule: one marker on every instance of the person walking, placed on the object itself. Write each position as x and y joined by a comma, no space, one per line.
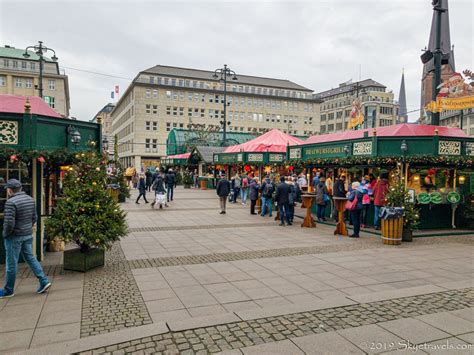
267,194
160,192
236,186
135,180
322,197
170,180
141,189
282,198
379,192
19,219
356,193
292,198
253,194
148,179
223,190
244,190
302,182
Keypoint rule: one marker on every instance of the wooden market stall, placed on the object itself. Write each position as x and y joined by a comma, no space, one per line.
178,160
201,161
434,162
35,142
263,155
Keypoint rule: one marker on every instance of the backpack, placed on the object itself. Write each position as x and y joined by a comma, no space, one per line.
268,189
245,183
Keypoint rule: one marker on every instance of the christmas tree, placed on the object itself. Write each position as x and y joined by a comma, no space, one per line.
87,215
398,196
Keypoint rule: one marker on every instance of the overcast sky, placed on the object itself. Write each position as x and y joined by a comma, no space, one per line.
317,44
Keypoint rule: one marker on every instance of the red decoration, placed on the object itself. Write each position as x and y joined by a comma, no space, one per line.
41,160
247,168
13,158
291,168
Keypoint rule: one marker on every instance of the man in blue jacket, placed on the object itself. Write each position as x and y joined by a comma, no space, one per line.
19,219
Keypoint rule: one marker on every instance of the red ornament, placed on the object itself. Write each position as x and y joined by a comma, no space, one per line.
13,158
41,160
291,168
247,168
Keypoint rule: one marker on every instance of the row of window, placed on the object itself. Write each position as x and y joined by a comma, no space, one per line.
25,82
348,102
15,64
230,87
151,125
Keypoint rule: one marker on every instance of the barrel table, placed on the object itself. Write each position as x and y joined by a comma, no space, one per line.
308,200
341,207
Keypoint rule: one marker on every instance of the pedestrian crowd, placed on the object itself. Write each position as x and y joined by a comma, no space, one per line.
161,183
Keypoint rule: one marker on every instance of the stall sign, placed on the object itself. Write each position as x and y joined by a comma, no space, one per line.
229,158
8,132
455,93
256,157
276,158
449,148
322,152
470,149
216,158
240,157
362,148
436,198
425,198
295,153
453,197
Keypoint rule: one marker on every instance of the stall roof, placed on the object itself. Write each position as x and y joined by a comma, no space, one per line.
178,156
400,130
274,141
207,153
16,104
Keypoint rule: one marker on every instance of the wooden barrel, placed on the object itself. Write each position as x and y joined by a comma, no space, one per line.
392,230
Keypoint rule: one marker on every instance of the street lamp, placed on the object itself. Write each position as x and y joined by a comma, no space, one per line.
40,50
347,149
222,75
404,147
74,135
105,144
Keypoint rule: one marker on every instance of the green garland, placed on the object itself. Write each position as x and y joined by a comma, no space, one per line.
460,162
58,156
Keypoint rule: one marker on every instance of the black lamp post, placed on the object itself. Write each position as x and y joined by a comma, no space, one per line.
222,74
105,144
40,50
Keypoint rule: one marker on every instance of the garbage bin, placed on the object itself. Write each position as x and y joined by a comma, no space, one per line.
114,190
392,225
203,182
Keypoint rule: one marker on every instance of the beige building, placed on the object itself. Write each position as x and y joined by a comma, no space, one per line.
162,98
378,105
20,76
106,121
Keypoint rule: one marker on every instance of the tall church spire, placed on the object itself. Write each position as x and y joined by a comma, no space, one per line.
402,101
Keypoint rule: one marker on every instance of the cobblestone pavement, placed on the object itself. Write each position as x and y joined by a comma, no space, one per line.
204,226
112,300
265,330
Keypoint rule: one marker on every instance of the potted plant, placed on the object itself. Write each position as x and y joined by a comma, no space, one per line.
87,215
187,180
398,196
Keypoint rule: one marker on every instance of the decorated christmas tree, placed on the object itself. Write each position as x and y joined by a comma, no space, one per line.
398,196
87,215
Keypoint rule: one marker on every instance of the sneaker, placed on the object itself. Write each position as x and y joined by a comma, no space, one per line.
137,202
269,215
3,294
282,224
146,201
290,224
161,206
44,288
221,212
353,236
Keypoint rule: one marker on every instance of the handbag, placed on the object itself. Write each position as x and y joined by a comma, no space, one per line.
326,198
352,205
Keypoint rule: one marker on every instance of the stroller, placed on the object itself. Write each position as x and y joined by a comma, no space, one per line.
160,199
231,195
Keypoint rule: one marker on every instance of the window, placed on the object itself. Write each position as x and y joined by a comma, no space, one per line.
3,80
181,125
331,116
33,66
154,145
15,64
6,63
148,108
181,111
29,83
50,101
18,82
52,84
152,79
147,144
155,126
168,94
175,111
155,109
155,93
147,125
323,117
168,110
148,93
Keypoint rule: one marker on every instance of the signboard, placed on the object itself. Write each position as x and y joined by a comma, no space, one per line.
454,94
453,197
216,158
255,157
8,132
276,158
229,158
470,149
362,148
295,153
449,148
325,152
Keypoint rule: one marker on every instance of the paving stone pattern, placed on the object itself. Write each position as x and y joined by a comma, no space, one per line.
265,330
203,226
112,300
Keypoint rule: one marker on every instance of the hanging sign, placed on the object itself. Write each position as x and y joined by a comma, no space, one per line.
449,148
454,94
453,197
356,117
362,148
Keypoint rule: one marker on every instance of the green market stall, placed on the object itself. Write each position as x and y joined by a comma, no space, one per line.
178,160
201,161
434,162
35,142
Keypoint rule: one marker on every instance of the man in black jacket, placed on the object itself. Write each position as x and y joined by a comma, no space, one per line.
223,190
282,198
19,219
339,190
170,180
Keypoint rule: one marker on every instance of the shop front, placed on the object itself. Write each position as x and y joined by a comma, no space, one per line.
35,142
434,163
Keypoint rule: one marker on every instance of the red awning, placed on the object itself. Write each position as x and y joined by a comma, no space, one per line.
16,104
274,141
178,156
400,130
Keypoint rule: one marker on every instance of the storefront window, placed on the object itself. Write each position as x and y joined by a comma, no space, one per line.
16,170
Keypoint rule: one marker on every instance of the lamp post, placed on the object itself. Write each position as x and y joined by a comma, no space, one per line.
74,136
40,50
222,74
404,149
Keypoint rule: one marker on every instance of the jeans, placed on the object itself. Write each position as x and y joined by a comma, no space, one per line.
13,247
365,213
291,211
267,201
169,193
320,211
236,193
252,206
355,216
243,195
377,215
223,201
143,193
284,212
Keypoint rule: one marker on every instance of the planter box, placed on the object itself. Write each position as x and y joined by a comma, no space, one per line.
407,235
121,197
76,261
